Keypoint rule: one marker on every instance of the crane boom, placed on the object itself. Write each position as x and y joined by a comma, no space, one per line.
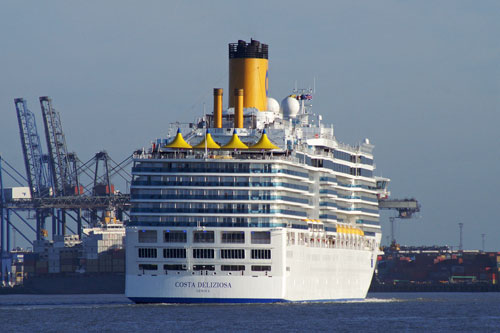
36,171
405,207
64,177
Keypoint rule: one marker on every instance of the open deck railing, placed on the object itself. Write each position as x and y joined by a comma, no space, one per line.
217,155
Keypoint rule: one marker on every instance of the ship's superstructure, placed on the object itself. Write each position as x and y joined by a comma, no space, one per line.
255,203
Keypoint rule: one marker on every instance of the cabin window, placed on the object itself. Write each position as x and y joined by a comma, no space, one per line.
233,237
203,253
174,253
232,254
147,253
148,267
203,268
203,236
261,254
175,236
174,267
229,268
261,268
147,236
261,237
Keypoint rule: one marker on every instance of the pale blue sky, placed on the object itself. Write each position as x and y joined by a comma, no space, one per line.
420,79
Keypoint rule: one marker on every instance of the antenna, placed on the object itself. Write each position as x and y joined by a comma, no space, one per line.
483,236
205,127
461,244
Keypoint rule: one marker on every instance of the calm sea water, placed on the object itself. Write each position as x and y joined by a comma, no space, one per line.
380,312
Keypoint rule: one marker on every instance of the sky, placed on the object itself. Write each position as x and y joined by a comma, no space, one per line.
420,79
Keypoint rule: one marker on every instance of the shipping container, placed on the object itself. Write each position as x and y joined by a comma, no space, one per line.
67,268
54,269
16,193
42,264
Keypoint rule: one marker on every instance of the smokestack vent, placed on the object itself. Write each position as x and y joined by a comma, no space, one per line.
254,49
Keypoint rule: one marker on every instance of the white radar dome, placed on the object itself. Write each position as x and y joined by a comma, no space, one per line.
273,105
290,107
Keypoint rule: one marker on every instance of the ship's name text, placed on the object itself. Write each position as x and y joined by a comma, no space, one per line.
202,285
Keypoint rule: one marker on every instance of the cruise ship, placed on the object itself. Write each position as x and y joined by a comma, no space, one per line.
254,203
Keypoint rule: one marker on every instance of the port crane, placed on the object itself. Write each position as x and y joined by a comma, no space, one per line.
55,181
406,209
38,175
62,164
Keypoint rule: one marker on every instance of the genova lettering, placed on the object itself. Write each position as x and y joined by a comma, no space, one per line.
206,285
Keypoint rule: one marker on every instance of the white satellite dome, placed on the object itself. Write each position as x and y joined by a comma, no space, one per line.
273,105
290,107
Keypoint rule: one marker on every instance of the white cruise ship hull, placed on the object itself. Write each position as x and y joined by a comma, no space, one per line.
300,273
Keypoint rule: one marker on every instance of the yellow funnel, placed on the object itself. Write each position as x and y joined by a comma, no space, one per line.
235,143
238,108
217,108
248,70
264,143
210,143
178,142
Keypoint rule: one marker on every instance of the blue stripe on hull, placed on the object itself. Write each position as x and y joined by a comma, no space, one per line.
186,300
191,300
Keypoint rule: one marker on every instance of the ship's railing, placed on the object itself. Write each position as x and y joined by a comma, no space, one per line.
236,155
347,147
215,155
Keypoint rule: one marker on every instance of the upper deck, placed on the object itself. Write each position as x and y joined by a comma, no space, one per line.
257,162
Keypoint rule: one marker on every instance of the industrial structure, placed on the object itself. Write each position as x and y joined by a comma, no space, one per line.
406,209
436,268
57,188
431,268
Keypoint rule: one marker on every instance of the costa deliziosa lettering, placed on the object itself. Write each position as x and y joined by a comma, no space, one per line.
202,284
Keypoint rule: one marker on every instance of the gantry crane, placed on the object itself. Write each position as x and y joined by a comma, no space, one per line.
406,208
37,173
54,181
63,165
